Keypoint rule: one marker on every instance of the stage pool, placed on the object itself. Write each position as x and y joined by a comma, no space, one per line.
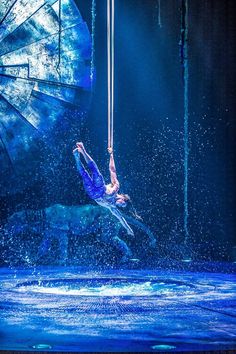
70,309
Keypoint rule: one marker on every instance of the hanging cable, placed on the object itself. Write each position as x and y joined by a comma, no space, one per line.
92,65
184,62
159,13
110,69
59,41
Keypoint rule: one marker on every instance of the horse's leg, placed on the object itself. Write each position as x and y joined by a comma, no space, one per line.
122,247
45,245
62,237
110,236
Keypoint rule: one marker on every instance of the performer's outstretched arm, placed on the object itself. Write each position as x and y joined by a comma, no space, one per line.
121,219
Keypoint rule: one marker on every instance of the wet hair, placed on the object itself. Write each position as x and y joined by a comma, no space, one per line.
126,197
122,200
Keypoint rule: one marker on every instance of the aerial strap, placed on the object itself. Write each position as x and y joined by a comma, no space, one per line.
185,65
110,70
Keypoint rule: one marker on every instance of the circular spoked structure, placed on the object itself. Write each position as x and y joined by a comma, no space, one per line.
45,71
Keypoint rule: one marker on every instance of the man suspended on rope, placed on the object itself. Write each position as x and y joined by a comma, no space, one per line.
105,195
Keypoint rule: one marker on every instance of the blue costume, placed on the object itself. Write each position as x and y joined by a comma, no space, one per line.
94,184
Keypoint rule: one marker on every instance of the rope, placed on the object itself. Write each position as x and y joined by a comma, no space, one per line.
59,43
92,66
184,57
110,70
159,13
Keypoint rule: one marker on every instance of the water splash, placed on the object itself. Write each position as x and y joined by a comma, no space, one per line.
121,309
109,287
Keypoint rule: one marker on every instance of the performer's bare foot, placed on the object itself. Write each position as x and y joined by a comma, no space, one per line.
80,147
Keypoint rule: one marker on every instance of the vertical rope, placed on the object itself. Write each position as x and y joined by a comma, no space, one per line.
159,13
184,61
110,69
59,41
92,66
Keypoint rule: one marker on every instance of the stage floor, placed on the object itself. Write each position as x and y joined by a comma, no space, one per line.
70,309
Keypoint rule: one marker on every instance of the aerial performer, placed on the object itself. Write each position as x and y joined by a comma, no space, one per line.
106,195
103,194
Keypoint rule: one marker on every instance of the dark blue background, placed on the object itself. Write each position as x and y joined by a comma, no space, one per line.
149,117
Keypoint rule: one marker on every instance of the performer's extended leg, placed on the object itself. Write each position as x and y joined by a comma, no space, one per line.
96,174
87,181
80,167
